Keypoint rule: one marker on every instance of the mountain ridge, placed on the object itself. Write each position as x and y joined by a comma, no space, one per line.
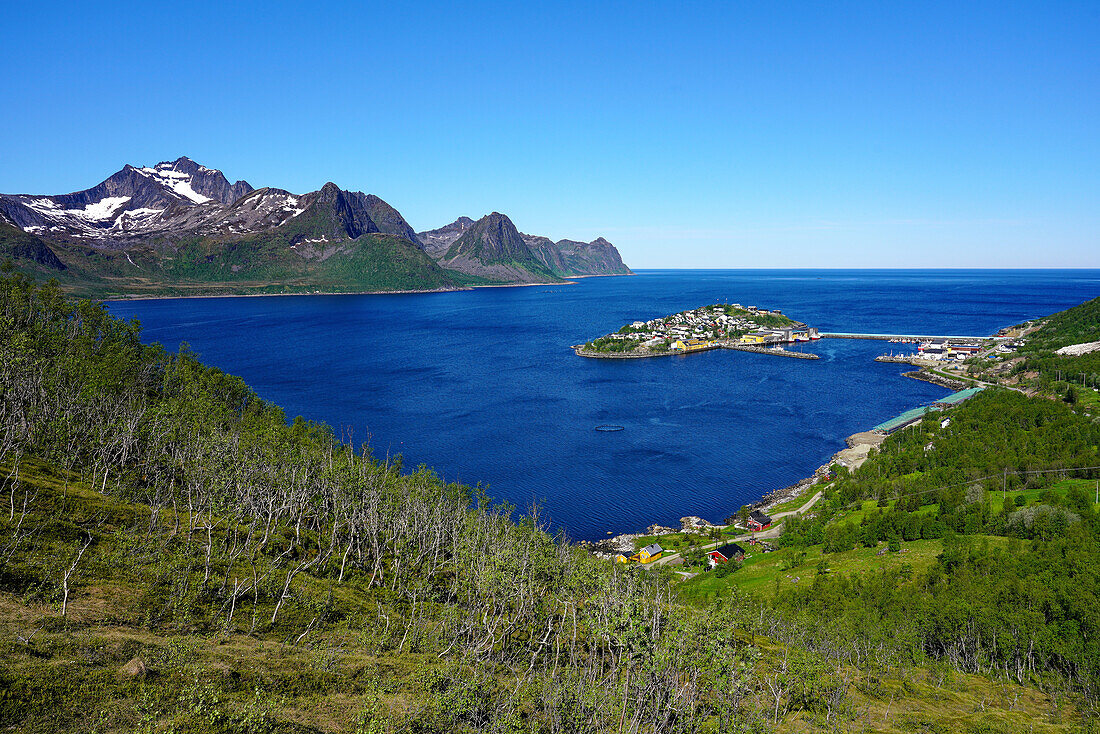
562,259
181,216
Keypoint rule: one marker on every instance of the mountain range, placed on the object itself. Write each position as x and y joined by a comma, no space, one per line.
182,228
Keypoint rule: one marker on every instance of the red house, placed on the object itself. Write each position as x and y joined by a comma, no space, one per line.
759,521
728,552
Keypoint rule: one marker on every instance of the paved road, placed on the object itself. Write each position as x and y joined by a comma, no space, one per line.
773,532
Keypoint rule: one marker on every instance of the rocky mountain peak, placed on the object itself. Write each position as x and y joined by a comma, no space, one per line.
493,238
436,242
389,220
191,183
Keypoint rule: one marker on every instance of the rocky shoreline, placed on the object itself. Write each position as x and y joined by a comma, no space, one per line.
940,380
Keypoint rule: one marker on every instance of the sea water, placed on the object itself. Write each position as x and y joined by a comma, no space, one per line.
482,385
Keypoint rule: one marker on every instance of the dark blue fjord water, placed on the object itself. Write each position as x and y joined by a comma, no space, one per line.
482,386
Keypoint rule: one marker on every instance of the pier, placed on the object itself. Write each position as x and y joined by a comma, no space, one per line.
770,350
912,337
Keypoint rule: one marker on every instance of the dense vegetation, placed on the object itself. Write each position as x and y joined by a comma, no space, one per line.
607,344
176,556
1076,325
1070,377
764,320
1024,605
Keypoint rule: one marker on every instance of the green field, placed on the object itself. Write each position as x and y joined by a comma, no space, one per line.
765,573
674,542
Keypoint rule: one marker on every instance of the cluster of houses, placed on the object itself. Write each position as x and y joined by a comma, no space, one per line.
943,349
649,554
700,328
757,521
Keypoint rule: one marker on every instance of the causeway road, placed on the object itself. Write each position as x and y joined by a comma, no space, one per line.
773,532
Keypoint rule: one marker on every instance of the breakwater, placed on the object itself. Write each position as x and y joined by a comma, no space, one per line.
912,337
902,359
770,350
936,379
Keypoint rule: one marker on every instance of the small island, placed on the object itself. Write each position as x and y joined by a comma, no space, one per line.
719,326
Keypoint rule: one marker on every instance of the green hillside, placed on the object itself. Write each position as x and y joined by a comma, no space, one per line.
1075,325
177,556
36,255
968,542
1038,369
260,263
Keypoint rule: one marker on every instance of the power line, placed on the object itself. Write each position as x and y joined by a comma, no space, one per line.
979,479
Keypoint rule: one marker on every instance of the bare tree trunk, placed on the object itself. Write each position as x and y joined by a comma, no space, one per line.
68,575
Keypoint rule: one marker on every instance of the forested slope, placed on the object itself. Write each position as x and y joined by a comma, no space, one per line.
1075,325
1004,487
176,556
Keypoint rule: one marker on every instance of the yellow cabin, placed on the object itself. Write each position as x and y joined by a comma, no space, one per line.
622,558
649,554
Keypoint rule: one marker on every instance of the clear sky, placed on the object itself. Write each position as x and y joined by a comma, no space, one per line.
726,134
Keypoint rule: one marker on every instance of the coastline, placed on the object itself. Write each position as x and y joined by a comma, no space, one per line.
124,298
853,456
580,351
409,291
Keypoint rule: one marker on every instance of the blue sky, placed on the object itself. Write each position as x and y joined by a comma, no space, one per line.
815,134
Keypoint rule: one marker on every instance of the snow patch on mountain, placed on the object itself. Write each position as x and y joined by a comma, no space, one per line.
97,211
102,209
43,206
177,181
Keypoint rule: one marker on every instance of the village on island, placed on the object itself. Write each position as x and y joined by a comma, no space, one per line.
720,326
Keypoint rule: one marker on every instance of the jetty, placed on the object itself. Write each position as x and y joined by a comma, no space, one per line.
774,351
910,337
913,359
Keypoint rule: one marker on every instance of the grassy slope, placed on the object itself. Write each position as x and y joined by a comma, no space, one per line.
762,571
257,264
66,674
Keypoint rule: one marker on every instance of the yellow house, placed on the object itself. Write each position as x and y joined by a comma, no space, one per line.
622,558
697,343
678,345
754,337
648,554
